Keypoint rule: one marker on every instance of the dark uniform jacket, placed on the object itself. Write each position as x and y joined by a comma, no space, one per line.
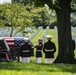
32,48
25,50
49,49
39,50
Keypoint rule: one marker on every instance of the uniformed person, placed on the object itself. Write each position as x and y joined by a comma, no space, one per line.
32,48
49,50
39,50
25,51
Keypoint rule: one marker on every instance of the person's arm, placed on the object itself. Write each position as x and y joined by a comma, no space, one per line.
36,46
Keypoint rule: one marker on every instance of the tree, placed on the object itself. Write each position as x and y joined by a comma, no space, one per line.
17,17
24,2
73,19
63,11
47,16
42,16
73,14
64,33
2,18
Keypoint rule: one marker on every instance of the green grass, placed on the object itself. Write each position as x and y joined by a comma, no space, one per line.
39,35
73,32
15,68
30,32
37,69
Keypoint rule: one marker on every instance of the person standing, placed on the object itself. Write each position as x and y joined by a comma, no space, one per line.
25,51
39,50
49,49
32,48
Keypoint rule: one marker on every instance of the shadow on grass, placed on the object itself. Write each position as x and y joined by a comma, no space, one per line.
38,67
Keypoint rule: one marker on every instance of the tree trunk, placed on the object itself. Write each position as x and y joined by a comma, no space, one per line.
65,54
11,32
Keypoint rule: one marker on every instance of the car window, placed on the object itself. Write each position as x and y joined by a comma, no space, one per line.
2,45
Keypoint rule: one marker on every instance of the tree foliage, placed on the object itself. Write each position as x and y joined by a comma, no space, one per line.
16,16
24,2
43,16
73,14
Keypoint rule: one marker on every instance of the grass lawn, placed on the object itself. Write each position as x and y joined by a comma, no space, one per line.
36,69
39,35
15,68
30,32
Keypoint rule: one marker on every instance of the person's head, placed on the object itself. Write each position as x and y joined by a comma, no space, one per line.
26,39
40,40
49,37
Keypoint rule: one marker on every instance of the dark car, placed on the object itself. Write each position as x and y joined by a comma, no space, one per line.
4,57
4,46
4,50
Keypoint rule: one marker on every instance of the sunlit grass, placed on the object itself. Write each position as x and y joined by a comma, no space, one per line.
30,32
37,69
39,35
